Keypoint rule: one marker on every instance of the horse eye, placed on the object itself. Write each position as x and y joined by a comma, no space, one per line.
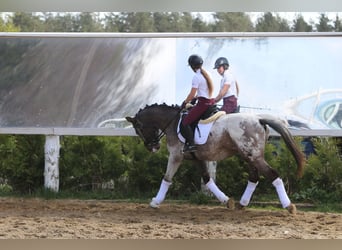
138,125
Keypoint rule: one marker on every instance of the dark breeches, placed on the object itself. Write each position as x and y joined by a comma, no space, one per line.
229,104
196,112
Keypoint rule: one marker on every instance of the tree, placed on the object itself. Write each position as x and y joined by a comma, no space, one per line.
112,22
87,22
8,26
324,24
198,25
166,21
231,22
27,22
59,22
172,22
270,23
337,24
186,20
299,25
135,22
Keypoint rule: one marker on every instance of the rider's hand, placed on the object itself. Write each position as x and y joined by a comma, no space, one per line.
183,105
193,101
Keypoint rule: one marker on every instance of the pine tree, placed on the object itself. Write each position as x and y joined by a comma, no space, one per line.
337,24
270,23
299,25
324,24
232,22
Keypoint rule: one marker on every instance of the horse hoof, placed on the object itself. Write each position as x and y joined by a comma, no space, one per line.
240,207
231,204
154,203
292,209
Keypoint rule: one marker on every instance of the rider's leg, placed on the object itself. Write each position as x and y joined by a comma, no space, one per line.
189,137
193,116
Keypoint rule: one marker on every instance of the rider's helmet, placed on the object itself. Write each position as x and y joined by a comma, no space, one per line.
221,61
195,61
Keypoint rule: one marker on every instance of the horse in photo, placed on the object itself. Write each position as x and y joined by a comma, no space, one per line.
231,134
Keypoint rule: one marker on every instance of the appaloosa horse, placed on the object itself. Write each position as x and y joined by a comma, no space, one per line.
231,134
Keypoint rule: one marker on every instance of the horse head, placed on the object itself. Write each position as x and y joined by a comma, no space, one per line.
149,134
151,122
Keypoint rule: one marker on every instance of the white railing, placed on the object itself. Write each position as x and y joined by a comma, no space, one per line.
131,132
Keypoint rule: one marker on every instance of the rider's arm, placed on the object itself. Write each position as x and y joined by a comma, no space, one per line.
237,88
222,92
191,95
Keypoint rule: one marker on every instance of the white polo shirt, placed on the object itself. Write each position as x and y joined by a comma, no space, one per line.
200,83
228,78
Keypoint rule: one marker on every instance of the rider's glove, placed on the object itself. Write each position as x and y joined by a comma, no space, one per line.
183,105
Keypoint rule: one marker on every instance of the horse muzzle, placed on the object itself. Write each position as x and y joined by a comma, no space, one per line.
153,147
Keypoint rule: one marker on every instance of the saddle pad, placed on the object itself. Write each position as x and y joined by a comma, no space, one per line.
201,134
213,117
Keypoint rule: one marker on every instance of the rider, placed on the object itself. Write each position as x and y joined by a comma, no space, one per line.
229,90
202,85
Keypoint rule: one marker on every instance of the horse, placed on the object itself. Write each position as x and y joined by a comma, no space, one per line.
231,134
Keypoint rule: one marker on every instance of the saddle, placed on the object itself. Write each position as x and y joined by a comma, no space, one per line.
202,126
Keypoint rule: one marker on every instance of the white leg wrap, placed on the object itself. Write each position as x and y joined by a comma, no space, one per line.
247,195
216,191
164,187
284,199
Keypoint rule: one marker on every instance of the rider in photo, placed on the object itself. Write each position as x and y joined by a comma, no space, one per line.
229,89
202,85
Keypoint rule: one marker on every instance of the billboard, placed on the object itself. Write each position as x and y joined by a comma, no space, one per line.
90,80
296,77
80,81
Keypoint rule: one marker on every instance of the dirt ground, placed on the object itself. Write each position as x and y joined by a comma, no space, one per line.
74,219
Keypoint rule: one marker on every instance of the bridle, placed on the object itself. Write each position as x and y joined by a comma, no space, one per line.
155,141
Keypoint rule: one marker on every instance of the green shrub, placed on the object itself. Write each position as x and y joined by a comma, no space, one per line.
322,180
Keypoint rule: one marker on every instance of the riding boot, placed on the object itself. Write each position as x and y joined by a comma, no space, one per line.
189,139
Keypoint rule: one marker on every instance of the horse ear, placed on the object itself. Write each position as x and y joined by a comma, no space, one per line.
130,119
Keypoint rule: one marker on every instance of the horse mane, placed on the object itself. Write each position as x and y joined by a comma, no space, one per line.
163,105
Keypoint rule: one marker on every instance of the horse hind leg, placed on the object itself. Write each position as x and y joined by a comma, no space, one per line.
283,197
262,166
253,181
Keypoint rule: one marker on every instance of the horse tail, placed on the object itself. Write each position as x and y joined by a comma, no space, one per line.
281,128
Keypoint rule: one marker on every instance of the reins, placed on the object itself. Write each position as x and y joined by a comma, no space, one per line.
162,133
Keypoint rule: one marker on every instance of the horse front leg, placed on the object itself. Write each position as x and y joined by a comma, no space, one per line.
211,185
172,167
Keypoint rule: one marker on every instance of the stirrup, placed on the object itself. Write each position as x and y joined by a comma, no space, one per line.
189,148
